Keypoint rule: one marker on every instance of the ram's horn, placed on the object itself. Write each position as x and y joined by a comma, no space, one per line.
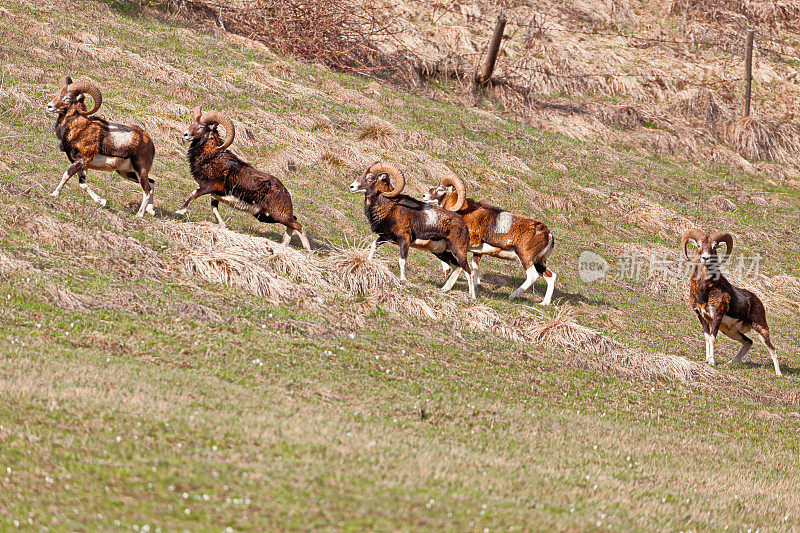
691,234
388,168
215,117
89,88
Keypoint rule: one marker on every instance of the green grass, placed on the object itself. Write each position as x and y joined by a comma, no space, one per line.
292,416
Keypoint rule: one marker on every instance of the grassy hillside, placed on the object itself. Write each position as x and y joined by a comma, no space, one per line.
137,392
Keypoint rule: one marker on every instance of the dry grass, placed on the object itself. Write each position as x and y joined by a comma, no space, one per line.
241,269
357,274
764,139
380,131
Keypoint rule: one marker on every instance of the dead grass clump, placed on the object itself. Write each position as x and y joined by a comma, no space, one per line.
482,318
657,217
357,274
70,301
380,131
589,348
562,331
706,105
242,269
11,265
763,139
404,304
271,257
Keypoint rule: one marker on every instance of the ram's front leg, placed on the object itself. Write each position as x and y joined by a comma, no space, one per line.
713,327
404,245
75,167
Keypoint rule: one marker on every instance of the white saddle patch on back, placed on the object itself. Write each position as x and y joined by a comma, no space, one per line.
120,138
431,216
502,223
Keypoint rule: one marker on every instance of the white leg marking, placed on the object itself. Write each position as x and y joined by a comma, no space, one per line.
217,215
532,276
775,362
551,285
470,284
287,238
476,278
150,208
402,263
445,267
304,240
372,248
145,199
709,349
773,354
93,195
452,279
61,184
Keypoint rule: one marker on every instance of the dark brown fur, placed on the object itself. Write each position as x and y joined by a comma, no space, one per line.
405,221
222,174
713,298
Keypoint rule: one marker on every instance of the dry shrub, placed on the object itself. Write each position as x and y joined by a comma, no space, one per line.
336,33
357,274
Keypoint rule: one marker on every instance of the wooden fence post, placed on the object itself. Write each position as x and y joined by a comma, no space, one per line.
748,72
494,48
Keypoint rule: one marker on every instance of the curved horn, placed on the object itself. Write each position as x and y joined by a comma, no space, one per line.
215,117
461,190
693,234
388,168
723,236
90,89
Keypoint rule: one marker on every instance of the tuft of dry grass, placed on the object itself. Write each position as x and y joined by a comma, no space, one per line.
381,132
357,274
242,269
763,139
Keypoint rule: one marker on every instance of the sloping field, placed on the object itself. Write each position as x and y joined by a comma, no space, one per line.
164,373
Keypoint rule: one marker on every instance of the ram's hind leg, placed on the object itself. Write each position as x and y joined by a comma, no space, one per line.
550,277
96,198
746,344
531,276
763,334
148,192
217,215
476,258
